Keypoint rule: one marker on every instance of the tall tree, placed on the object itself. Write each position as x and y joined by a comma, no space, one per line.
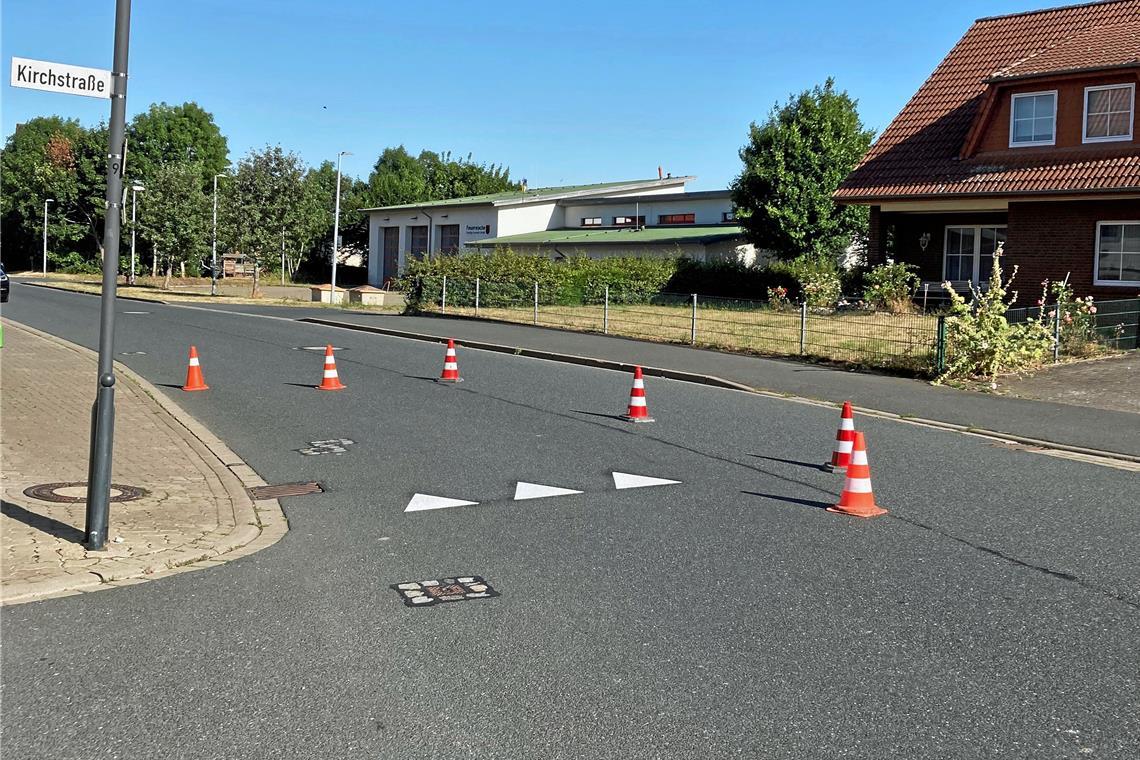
263,190
175,218
50,157
792,165
166,133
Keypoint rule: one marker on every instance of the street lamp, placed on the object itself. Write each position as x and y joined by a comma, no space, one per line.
336,225
136,187
46,202
214,243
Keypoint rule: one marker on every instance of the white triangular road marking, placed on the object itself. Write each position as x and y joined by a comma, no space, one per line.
625,480
423,501
538,491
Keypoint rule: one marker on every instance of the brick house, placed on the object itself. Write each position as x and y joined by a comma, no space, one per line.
1025,134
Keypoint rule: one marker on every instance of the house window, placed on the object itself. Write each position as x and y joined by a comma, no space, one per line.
449,238
1033,119
968,254
591,221
417,240
728,216
1109,113
629,221
1118,253
677,219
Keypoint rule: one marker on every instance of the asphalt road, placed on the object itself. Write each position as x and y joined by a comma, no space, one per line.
993,613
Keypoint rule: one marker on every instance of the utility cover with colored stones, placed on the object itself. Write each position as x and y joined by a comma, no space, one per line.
458,589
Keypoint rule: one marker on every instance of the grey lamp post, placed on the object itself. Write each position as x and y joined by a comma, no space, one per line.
46,202
136,188
214,243
336,225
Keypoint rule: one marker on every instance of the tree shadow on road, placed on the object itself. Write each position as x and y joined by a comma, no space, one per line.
790,499
40,522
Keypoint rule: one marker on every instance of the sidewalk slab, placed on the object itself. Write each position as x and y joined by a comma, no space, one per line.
196,508
1083,427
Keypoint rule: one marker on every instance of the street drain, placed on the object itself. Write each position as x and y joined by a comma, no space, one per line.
284,489
75,492
333,446
458,589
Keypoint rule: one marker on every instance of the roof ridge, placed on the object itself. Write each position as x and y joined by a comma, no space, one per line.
1050,10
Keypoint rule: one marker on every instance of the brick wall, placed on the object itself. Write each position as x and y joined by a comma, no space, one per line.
1046,240
907,230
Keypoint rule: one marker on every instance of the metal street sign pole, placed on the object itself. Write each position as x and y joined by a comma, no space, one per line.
103,412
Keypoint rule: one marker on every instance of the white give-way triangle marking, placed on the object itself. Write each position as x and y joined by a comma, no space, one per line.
423,501
625,480
538,491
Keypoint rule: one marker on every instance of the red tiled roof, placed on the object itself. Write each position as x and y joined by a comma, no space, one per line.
1097,47
917,155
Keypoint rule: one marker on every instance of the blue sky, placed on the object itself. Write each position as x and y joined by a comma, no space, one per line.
561,93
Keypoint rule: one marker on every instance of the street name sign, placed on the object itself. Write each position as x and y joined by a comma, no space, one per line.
60,77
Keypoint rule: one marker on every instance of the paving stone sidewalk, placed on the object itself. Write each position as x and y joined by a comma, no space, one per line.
196,512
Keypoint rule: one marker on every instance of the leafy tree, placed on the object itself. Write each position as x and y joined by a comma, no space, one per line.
399,178
261,196
175,219
50,157
792,165
166,133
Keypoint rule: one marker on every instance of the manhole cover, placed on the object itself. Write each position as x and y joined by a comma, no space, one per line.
457,589
76,492
284,489
333,446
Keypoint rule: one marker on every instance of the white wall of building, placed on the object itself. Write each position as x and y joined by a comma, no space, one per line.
707,210
530,217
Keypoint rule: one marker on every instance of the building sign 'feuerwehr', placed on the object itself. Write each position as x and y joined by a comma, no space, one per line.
478,229
60,77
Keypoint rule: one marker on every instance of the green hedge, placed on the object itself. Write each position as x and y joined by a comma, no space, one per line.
507,279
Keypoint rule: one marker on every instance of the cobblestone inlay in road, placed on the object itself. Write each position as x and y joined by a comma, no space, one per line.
458,589
75,491
332,446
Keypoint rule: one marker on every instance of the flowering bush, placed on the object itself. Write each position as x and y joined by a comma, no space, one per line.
1078,318
817,277
890,286
778,298
981,341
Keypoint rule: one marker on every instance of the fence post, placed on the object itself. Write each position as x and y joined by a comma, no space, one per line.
940,346
476,296
606,312
693,329
536,302
925,293
803,325
443,298
1057,333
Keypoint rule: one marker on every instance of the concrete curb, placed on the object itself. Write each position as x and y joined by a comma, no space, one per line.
719,382
257,524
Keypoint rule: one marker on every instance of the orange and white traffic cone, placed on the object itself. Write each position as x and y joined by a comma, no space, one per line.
450,365
844,441
638,411
194,379
331,380
857,499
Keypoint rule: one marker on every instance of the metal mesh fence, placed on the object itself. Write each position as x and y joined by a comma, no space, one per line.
860,336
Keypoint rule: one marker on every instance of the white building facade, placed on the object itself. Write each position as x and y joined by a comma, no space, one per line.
634,218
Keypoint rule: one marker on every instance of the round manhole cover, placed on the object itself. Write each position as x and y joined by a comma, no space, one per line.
76,492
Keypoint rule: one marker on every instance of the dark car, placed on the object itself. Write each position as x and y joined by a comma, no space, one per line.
4,285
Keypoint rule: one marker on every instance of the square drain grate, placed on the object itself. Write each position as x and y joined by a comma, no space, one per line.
284,489
458,589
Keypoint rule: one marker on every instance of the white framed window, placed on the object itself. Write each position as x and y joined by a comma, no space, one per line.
968,253
591,221
1033,119
1117,254
1109,113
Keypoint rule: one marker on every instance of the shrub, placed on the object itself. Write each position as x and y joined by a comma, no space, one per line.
74,263
817,278
1078,318
890,286
727,279
980,340
778,298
